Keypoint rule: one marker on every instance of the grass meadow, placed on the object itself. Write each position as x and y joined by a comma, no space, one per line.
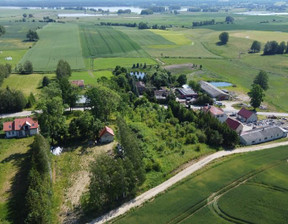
57,41
234,189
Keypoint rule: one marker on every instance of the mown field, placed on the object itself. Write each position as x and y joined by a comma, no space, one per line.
100,41
238,189
57,41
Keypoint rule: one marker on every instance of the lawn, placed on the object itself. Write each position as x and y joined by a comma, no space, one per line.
13,153
90,78
16,57
57,41
25,83
242,184
98,41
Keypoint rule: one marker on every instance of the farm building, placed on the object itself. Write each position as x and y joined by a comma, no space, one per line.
106,135
141,87
216,112
161,95
213,91
185,93
21,127
235,125
247,116
261,135
79,83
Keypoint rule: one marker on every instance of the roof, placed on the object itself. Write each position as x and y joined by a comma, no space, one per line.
245,113
233,124
211,90
186,91
262,133
18,123
106,130
79,83
213,110
140,84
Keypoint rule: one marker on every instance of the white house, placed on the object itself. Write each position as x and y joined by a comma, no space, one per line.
216,112
247,116
260,135
106,135
21,127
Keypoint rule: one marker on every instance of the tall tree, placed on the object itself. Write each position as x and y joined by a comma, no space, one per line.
224,37
63,70
2,30
255,47
262,80
281,48
256,95
28,67
182,79
32,35
103,101
229,19
70,93
270,48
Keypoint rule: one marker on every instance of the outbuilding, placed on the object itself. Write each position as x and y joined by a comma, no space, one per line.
213,91
106,135
216,112
235,125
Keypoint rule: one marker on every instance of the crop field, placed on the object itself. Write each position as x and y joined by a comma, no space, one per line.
26,83
100,41
238,189
57,41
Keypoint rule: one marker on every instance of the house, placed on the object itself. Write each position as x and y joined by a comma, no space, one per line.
186,93
213,91
216,112
260,135
79,83
106,135
21,127
235,125
246,116
141,87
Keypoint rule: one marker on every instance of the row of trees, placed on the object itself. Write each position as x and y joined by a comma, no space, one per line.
39,193
203,23
273,47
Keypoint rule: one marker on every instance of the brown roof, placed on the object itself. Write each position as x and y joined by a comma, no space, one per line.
245,113
18,123
213,110
233,124
106,130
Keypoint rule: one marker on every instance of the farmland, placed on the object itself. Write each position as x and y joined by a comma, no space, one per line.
57,41
232,189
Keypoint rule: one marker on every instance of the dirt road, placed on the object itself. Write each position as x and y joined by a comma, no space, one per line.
178,177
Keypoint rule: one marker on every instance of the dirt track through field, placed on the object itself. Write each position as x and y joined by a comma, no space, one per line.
178,177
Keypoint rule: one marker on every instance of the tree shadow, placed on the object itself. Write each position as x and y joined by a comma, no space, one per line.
220,43
16,202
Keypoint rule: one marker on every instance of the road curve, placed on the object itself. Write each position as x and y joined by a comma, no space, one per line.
178,177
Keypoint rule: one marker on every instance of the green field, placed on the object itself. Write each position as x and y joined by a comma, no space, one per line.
90,78
57,41
238,189
100,41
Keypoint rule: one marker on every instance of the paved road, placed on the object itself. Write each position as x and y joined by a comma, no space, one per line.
178,177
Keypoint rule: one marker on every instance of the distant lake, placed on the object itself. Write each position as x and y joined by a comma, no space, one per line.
262,13
221,84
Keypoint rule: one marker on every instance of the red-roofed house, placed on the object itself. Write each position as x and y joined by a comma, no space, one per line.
21,127
216,112
79,83
106,135
247,116
235,125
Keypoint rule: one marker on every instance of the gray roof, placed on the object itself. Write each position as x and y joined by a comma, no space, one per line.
268,132
211,90
187,91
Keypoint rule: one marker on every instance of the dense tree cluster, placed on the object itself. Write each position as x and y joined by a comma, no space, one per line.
32,35
203,23
26,68
272,47
118,24
2,30
229,19
11,101
39,193
5,71
255,47
146,12
124,11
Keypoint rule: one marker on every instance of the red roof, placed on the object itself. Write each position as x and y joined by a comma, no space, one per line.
79,83
245,113
213,110
18,123
233,124
106,130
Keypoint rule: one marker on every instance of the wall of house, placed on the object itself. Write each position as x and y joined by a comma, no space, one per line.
11,134
252,118
239,129
106,138
222,118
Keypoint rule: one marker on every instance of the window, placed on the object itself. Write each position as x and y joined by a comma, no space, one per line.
260,140
253,142
265,138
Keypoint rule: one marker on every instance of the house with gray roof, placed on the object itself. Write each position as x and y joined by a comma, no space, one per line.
260,135
213,91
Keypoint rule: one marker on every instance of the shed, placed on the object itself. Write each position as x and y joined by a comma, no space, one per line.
247,116
106,135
